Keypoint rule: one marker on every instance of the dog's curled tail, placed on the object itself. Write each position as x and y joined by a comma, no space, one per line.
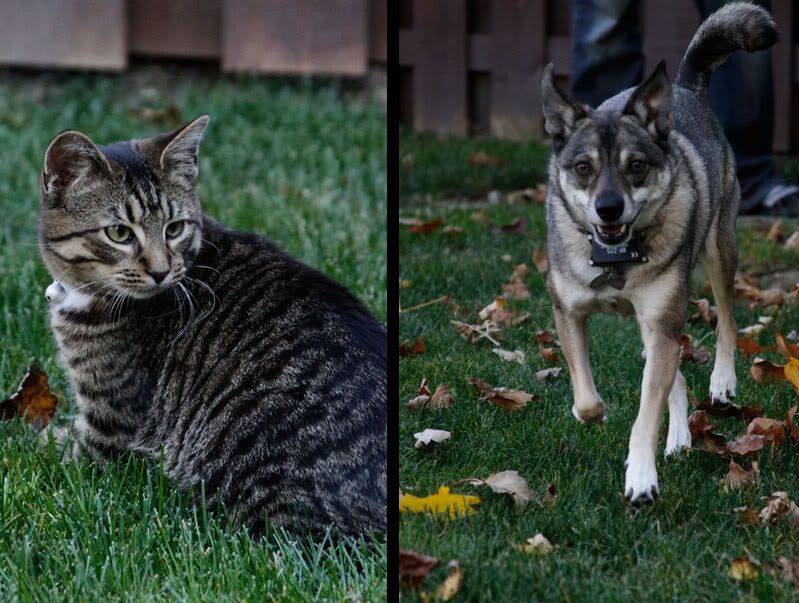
739,25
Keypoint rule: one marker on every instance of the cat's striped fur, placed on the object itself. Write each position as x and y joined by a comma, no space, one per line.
252,373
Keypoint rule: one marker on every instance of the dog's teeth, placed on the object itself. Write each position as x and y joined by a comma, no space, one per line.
623,228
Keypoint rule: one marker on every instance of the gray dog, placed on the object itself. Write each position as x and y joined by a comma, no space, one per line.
640,189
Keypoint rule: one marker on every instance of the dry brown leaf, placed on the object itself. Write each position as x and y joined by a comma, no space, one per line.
747,413
776,233
413,567
737,477
747,515
483,159
792,242
702,435
778,505
544,337
762,371
549,354
537,545
480,217
412,349
421,227
768,297
540,193
789,568
515,287
441,398
746,444
742,569
509,399
789,350
498,312
689,353
518,226
790,425
422,399
32,400
515,356
705,311
169,115
548,373
540,260
750,346
772,430
423,438
454,230
473,333
504,482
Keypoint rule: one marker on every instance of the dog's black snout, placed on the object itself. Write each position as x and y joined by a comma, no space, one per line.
609,206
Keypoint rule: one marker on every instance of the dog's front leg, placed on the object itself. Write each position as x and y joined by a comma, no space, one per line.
662,360
572,331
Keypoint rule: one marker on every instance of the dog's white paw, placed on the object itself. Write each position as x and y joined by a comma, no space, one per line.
588,413
679,436
722,384
641,481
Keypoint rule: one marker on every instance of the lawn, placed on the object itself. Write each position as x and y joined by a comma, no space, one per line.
301,162
680,549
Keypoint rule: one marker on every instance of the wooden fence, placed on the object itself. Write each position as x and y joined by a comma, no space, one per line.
474,67
272,36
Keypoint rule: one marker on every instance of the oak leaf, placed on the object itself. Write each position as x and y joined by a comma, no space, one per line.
772,430
737,477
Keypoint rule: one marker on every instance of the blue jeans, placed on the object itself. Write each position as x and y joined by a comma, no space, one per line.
607,58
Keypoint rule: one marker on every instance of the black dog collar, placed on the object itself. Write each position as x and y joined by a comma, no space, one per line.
611,260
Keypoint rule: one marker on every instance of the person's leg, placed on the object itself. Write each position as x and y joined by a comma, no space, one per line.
606,49
741,94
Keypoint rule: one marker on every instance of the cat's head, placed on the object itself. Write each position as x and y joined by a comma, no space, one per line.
124,217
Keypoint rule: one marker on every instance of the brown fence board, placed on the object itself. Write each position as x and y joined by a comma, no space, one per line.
439,71
295,36
378,31
178,28
86,34
783,65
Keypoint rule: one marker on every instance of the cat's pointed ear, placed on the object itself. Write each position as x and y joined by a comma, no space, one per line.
651,103
179,157
561,113
73,162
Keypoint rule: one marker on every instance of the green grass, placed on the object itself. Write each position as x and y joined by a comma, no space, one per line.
679,550
299,162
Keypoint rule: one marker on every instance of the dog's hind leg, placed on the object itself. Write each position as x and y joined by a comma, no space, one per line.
721,262
679,435
572,331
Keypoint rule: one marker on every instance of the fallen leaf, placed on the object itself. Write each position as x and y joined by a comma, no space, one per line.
752,330
769,297
480,216
420,227
441,398
482,159
737,477
497,311
418,403
32,400
705,311
548,373
746,444
776,234
791,372
765,320
742,569
772,430
746,515
518,226
789,422
789,350
548,354
473,333
454,230
544,337
540,260
406,284
515,356
762,371
747,413
430,435
452,584
750,346
509,399
413,567
689,353
515,287
443,501
792,242
505,482
412,349
779,506
789,568
537,545
702,435
506,257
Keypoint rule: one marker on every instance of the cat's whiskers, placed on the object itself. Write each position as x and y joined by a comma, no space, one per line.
211,291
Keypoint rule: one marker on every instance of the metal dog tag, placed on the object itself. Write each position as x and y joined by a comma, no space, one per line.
631,253
610,277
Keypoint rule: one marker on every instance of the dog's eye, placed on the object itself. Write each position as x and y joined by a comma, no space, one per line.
583,168
637,166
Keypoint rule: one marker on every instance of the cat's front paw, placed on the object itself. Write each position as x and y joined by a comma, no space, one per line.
55,292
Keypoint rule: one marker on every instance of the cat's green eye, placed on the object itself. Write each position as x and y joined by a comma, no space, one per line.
174,229
119,234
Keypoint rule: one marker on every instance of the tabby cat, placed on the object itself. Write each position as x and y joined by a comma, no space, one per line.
260,380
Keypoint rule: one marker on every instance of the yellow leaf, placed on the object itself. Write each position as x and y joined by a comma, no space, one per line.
450,587
537,545
792,373
440,502
743,569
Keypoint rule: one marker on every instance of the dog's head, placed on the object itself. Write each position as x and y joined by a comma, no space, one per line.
612,165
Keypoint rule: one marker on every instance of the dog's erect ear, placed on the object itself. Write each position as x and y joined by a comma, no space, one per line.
651,103
561,113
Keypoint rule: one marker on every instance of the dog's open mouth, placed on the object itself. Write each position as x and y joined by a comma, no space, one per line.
611,234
